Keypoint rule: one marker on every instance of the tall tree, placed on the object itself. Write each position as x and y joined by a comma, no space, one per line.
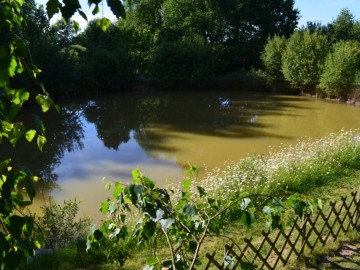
303,59
340,68
344,26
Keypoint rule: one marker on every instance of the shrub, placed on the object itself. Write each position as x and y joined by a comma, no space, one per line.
340,69
60,226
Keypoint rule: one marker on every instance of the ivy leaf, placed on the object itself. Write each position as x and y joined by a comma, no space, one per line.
117,8
30,134
52,7
41,140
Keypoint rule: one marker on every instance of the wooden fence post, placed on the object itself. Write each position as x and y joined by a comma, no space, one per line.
303,229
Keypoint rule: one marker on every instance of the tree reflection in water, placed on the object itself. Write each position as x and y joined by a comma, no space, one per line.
64,132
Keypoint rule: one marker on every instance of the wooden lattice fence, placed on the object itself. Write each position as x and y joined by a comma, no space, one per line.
276,248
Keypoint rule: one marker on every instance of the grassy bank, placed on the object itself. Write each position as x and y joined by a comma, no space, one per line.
325,168
295,168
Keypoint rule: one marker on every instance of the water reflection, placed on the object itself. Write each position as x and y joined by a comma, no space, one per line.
109,136
64,133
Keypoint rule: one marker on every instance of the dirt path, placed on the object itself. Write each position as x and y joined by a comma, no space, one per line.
346,257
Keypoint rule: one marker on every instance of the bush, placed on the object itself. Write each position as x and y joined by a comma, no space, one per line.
340,69
183,63
303,59
59,224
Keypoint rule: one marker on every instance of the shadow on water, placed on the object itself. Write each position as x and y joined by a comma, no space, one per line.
221,114
150,118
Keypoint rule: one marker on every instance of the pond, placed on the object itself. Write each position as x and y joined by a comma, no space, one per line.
163,132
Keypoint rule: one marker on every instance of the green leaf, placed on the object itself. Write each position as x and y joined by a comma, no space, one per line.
69,8
40,125
148,183
30,134
117,190
245,203
246,219
267,210
166,223
30,190
186,184
189,210
52,7
44,101
12,67
201,191
104,207
278,205
41,140
117,8
96,10
76,26
82,14
104,24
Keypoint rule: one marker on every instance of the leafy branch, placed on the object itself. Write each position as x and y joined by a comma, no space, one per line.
184,222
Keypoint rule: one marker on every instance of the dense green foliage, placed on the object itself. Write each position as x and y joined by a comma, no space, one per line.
303,59
187,62
105,62
318,59
340,69
60,225
227,37
272,57
19,85
184,218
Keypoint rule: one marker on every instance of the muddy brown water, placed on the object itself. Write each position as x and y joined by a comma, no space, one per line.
162,132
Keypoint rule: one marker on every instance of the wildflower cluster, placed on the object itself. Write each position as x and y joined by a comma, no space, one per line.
294,168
